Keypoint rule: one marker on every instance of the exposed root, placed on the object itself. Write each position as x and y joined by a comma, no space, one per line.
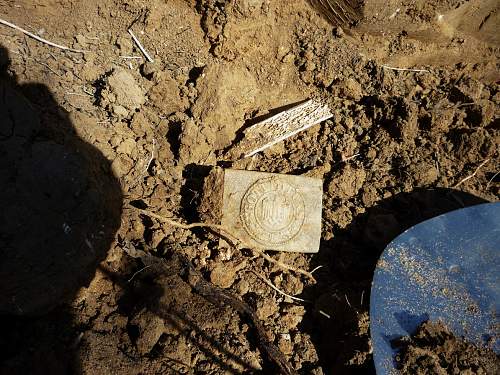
140,46
40,39
224,232
405,69
277,289
491,179
472,175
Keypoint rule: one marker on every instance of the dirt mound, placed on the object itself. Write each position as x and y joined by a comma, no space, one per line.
433,349
403,146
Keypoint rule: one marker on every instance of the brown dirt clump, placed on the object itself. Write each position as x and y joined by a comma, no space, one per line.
433,349
210,208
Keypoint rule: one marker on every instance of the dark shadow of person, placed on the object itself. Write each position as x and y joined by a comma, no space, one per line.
60,206
350,257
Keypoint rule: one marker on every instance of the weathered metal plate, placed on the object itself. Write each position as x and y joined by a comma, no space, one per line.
273,211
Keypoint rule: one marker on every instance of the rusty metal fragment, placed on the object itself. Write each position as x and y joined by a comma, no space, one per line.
279,127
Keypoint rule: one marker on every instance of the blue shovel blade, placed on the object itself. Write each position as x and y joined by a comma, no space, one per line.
444,269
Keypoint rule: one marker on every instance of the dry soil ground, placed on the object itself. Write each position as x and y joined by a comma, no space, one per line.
86,137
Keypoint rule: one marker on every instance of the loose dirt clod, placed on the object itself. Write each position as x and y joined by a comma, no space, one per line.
433,349
224,275
122,95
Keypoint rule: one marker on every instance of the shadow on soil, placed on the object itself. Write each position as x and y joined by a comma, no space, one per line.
61,206
60,209
162,290
343,288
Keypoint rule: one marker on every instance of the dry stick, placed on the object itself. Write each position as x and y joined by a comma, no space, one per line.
76,94
34,36
405,69
85,90
350,157
324,314
45,65
278,290
143,50
317,268
349,303
491,179
152,156
77,340
221,230
137,272
472,175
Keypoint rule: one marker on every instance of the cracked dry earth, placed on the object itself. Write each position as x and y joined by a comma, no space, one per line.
86,138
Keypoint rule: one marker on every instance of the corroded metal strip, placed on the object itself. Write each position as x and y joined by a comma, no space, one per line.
280,127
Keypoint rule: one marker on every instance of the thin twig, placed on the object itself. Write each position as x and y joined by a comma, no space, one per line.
27,45
143,50
464,104
45,65
404,69
76,94
132,57
77,341
324,314
34,36
350,157
491,179
472,175
278,290
316,268
137,272
395,13
152,156
349,303
223,231
87,91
